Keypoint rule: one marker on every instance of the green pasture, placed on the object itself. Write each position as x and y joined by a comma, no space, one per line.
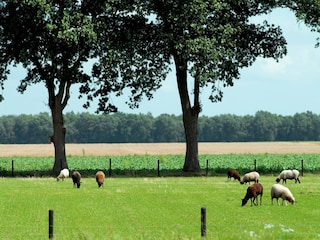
154,208
170,165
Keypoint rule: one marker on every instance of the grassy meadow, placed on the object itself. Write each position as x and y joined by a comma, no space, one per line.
154,208
136,204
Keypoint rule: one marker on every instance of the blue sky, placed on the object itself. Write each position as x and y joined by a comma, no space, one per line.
286,87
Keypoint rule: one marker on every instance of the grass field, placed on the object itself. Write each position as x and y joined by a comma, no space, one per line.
157,207
154,208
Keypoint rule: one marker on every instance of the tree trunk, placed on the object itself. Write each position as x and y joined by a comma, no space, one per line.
190,116
59,137
190,122
57,103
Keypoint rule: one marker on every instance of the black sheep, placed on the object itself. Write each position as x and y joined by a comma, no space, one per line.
76,177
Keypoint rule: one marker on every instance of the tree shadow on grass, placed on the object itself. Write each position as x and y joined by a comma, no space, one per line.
116,173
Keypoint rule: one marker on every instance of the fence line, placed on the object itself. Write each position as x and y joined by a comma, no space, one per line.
203,223
212,229
206,168
158,169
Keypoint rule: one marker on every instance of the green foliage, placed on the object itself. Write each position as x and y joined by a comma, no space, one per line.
306,11
144,128
170,165
154,208
209,39
52,40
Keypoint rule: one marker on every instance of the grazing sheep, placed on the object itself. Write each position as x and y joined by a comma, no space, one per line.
251,176
76,177
288,174
280,191
232,173
253,192
64,173
100,178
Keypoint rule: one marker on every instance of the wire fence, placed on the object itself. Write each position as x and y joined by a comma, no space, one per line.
206,170
199,229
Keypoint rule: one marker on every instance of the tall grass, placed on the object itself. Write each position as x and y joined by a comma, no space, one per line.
154,208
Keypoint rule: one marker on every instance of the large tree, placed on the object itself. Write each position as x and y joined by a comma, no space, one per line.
208,42
51,39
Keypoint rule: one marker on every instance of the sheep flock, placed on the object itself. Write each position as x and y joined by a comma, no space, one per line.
76,177
256,190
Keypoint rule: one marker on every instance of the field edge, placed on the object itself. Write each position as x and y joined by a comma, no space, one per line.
123,149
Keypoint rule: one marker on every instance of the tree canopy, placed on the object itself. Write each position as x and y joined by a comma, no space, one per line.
308,12
213,39
209,41
133,45
51,40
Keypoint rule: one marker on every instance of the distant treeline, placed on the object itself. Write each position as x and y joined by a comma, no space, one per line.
144,128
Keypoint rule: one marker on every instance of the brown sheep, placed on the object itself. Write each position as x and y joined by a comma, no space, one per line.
76,177
232,173
253,192
100,178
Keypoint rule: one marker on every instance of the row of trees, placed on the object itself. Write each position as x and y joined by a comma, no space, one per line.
134,128
132,45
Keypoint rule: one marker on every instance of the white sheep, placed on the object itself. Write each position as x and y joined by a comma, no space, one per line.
64,173
288,174
280,191
251,176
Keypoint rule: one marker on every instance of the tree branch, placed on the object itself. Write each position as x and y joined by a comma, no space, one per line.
66,95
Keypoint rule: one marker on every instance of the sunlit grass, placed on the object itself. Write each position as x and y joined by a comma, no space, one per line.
154,208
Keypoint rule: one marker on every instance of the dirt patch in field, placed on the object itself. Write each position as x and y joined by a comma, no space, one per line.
10,150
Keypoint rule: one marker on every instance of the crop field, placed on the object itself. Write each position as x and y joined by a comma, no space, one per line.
135,203
45,150
142,159
169,165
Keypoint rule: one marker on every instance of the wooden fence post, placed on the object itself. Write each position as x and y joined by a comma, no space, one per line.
255,165
158,168
302,167
203,222
12,168
207,167
110,169
50,224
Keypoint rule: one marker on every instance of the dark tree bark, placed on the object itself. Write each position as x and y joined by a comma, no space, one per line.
57,103
190,116
60,161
